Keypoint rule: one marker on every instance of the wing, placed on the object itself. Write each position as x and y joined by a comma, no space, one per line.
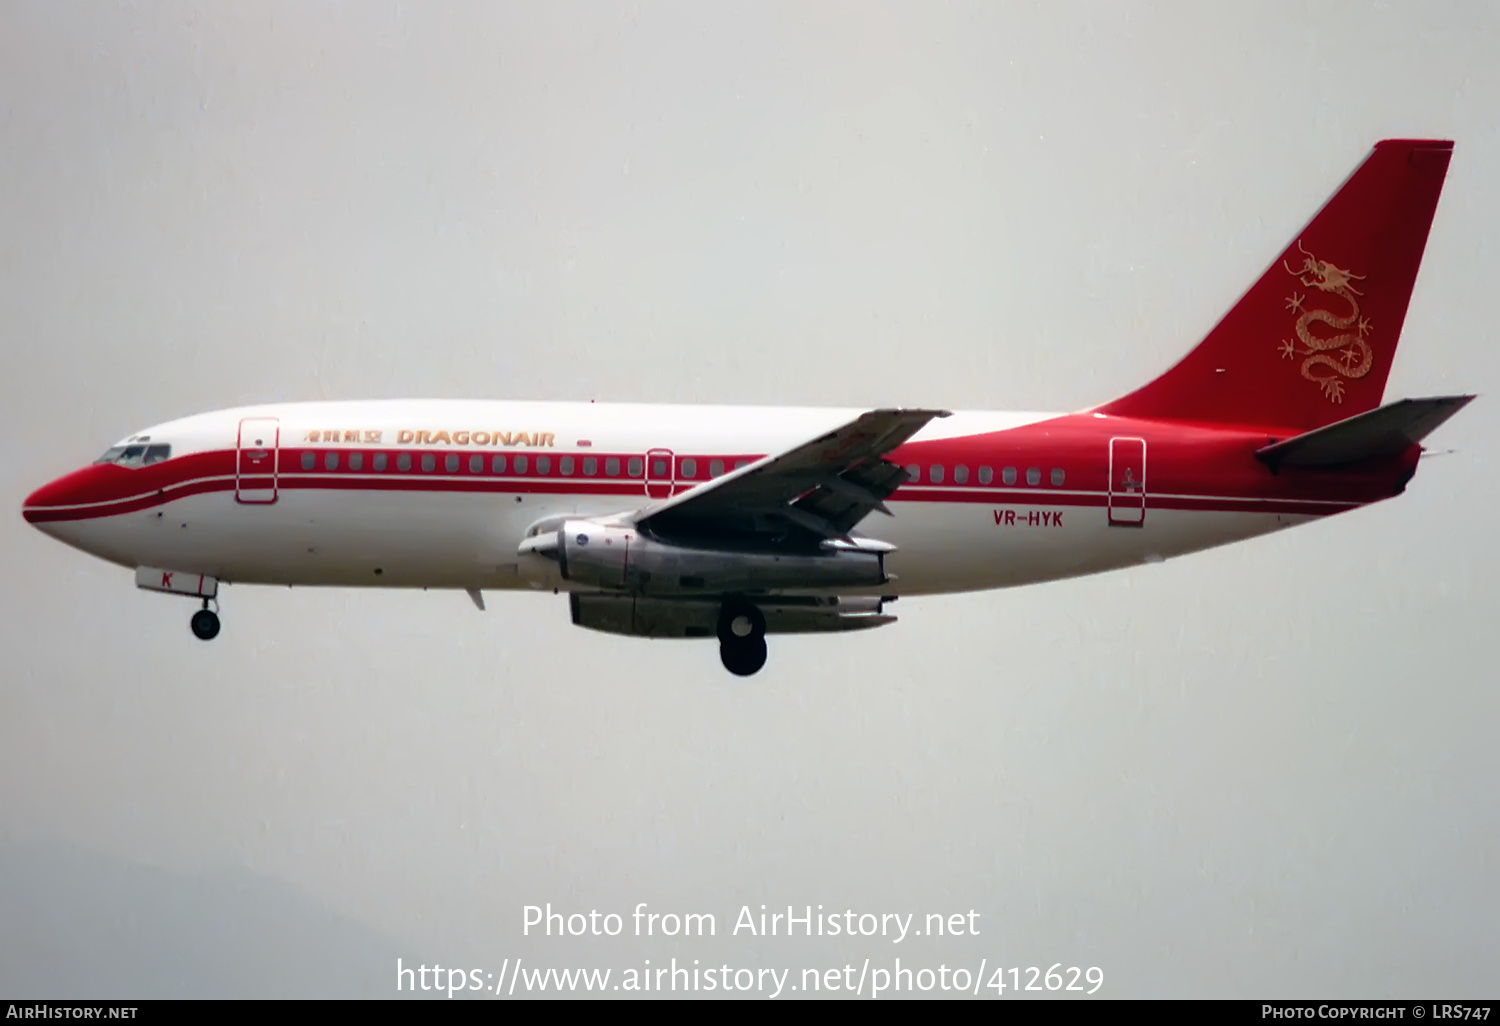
818,490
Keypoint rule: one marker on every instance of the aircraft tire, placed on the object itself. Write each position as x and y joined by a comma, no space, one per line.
743,657
735,609
205,624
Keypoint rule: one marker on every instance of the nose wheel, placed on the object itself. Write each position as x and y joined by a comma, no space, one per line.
205,623
742,638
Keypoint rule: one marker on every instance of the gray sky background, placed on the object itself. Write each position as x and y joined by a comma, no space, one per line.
1264,770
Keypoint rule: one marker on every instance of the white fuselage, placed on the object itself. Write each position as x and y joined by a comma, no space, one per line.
453,519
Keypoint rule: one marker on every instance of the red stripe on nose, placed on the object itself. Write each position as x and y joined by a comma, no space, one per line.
91,484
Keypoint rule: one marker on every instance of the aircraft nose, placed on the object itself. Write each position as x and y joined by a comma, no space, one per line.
81,509
51,501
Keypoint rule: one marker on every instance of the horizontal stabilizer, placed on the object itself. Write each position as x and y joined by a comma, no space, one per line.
1386,431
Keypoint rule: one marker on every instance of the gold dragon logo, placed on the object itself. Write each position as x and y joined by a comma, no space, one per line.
1319,364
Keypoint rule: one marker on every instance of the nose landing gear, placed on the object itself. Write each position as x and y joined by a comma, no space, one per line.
742,638
205,623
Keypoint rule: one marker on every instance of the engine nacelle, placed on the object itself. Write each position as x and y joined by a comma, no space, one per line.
644,617
621,558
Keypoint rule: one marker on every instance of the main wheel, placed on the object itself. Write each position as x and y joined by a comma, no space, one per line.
743,656
740,620
205,624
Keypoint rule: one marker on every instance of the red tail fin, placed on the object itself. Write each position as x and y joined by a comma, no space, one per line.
1312,341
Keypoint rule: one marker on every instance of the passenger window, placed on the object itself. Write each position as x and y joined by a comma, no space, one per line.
715,468
521,464
403,461
309,460
689,467
590,466
497,464
476,464
1008,476
612,466
331,461
156,454
379,461
741,463
450,463
1057,477
356,461
913,472
633,468
986,475
429,463
544,464
658,468
1033,476
935,473
960,474
565,466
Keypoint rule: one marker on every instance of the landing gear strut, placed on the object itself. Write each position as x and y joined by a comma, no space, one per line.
742,638
205,623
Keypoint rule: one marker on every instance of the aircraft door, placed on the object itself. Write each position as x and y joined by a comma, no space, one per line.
660,466
1127,482
256,455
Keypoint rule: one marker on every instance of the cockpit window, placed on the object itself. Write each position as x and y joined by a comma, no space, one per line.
136,455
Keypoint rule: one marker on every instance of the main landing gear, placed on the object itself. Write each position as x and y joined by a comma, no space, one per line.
742,637
205,623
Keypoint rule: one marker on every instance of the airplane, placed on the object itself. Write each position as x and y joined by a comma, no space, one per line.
738,522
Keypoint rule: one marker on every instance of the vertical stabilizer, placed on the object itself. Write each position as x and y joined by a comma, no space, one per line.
1312,341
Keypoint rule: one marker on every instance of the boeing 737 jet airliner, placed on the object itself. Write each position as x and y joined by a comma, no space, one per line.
735,523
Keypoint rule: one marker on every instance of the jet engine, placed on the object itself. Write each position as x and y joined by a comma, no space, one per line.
620,558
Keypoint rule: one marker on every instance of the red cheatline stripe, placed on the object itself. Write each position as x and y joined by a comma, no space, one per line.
48,514
437,484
